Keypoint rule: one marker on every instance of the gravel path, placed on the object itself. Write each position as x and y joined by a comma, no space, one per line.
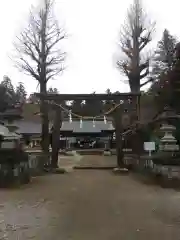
89,204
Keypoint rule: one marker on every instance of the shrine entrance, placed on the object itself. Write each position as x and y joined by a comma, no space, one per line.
124,112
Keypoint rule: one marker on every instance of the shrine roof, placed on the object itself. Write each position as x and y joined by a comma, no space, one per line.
29,127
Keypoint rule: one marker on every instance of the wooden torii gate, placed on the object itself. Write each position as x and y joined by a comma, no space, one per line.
117,97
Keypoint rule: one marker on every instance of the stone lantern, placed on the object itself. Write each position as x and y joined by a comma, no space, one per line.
168,143
166,160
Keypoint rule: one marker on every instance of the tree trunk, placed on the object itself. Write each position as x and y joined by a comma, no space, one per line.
44,121
56,137
119,147
43,86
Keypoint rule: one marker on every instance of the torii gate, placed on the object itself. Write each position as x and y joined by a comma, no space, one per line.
117,97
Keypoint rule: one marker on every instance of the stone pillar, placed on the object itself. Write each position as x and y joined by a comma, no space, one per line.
127,158
57,123
107,151
106,144
31,144
68,142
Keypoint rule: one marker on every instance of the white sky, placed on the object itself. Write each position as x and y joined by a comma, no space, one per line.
93,26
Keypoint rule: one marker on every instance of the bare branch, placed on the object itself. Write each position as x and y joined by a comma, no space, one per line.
24,65
123,65
144,66
57,71
142,76
144,41
146,82
38,45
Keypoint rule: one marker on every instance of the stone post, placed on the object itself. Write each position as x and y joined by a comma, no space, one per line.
107,151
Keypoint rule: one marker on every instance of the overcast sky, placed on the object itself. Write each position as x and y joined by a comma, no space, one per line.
93,27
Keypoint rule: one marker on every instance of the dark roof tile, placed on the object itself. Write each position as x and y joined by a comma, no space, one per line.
29,127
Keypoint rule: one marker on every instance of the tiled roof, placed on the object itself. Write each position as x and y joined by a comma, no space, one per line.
28,127
87,126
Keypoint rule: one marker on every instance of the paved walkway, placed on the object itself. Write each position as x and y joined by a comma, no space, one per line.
86,205
87,161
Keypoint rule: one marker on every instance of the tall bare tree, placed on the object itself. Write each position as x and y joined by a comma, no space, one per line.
39,54
135,35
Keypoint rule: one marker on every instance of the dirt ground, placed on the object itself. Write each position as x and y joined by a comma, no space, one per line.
89,204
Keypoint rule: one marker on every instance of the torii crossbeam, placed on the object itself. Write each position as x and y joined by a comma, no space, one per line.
68,97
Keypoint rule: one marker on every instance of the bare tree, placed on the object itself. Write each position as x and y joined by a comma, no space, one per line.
135,35
39,55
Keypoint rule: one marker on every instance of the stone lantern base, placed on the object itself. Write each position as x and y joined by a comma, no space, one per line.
120,170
